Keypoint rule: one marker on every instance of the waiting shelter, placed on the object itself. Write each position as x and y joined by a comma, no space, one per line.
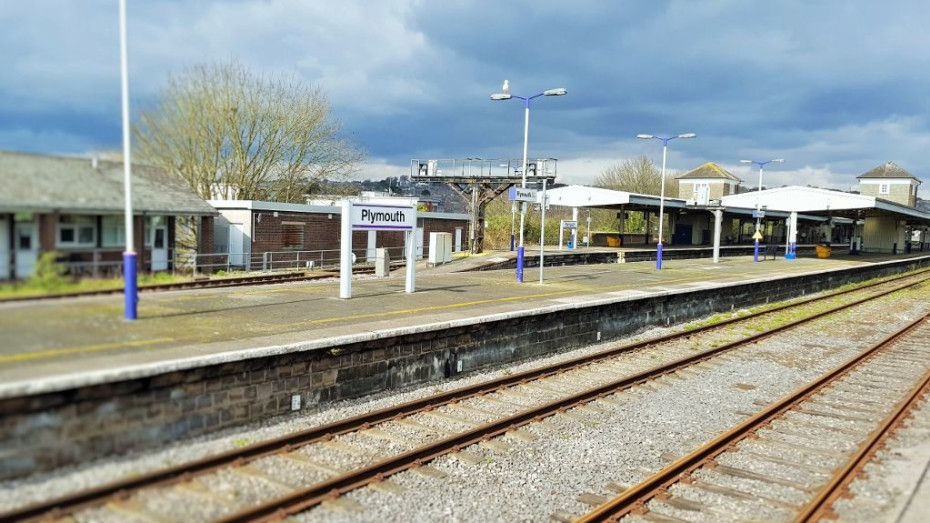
878,225
689,222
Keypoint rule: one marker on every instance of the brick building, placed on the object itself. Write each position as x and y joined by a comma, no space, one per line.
891,183
707,182
254,235
75,207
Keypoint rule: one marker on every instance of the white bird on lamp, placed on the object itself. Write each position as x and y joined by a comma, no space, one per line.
506,88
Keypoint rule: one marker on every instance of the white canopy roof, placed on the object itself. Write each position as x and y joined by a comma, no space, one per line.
584,196
812,200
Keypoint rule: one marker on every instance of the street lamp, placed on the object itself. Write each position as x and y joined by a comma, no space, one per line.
505,95
130,278
758,234
662,189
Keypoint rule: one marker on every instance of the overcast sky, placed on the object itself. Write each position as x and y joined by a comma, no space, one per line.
836,87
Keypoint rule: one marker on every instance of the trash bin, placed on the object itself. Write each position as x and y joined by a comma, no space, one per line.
613,241
823,251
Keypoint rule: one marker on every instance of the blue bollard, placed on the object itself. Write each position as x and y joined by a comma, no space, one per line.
755,252
131,289
659,257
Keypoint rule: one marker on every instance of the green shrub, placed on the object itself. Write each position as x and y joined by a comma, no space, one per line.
49,275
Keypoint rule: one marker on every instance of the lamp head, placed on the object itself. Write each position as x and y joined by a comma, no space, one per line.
561,91
501,96
687,135
745,161
779,160
645,136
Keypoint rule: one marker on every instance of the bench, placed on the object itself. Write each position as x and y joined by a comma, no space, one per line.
770,250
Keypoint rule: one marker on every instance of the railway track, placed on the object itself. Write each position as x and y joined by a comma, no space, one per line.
807,447
379,444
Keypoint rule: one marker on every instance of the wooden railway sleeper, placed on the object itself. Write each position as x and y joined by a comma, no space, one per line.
212,464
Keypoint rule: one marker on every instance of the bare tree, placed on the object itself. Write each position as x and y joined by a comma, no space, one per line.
224,129
638,175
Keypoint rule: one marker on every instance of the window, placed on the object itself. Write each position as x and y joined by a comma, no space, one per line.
701,193
155,230
292,234
883,188
113,231
24,240
77,231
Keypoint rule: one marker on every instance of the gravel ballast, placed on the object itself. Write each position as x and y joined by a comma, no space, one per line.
580,452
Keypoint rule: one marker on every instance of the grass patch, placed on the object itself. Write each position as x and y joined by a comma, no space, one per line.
44,284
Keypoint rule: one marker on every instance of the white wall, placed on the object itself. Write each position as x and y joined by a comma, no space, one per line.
880,233
241,216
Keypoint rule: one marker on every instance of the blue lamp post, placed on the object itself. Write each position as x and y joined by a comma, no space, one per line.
662,189
505,95
130,278
756,236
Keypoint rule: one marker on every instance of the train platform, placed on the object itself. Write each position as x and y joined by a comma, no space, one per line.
62,344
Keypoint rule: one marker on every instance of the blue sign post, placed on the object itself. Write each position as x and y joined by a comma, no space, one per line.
522,195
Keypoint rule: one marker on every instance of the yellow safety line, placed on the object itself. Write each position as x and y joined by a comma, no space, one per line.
462,304
76,350
118,345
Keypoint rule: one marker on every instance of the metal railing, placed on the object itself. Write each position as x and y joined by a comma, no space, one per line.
270,261
97,267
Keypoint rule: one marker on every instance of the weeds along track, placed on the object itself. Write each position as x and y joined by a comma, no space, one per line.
289,474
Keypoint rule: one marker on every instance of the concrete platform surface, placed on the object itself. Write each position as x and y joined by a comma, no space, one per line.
53,345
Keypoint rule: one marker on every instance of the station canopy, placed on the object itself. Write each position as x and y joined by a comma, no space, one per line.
584,196
596,197
824,202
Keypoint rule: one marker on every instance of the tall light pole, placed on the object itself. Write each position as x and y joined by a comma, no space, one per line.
505,95
130,281
662,189
758,234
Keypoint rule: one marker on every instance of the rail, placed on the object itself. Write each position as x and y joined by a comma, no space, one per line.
655,486
375,472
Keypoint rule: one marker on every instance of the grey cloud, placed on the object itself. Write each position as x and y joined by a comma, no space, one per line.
835,87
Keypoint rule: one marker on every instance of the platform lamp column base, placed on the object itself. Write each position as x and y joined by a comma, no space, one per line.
131,292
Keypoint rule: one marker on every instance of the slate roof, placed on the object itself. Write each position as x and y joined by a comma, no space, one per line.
889,170
40,183
709,170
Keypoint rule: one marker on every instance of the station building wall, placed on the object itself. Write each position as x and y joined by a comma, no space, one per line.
701,224
269,234
903,191
86,244
716,188
883,234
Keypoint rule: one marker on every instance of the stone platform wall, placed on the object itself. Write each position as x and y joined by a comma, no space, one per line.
47,431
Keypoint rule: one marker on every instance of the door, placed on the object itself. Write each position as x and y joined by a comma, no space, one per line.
4,248
701,194
458,239
683,234
25,248
236,235
159,243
